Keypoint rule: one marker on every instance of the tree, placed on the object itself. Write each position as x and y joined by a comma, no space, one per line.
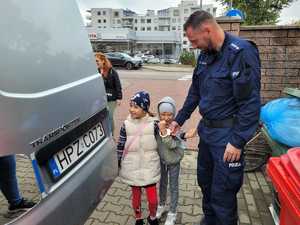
187,58
296,23
259,12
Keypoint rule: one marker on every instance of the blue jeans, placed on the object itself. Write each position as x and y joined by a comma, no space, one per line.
111,110
171,173
8,179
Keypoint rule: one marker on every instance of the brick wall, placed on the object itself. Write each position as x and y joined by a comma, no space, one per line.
230,25
279,48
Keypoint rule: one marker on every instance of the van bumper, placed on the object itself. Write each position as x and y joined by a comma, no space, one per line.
74,200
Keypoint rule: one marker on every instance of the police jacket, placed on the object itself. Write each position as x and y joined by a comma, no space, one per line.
112,85
226,85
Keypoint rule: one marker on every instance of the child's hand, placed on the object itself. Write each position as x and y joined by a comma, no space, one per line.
191,133
162,127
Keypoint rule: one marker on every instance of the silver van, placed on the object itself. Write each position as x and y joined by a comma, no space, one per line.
53,108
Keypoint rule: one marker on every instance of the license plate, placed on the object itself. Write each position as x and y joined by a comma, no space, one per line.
69,155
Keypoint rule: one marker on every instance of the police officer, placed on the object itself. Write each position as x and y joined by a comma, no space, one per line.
226,87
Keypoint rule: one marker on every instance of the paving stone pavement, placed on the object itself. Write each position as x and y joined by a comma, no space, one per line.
115,209
254,199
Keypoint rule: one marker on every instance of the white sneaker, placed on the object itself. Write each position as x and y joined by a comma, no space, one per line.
160,210
171,219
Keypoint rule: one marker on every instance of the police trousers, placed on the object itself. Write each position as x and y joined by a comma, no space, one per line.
220,182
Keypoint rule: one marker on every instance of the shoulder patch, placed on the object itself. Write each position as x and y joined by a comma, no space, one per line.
233,45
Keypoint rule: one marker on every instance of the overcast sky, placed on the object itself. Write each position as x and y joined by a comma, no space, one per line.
140,6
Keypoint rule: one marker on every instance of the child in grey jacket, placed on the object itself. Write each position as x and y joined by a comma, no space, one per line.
171,151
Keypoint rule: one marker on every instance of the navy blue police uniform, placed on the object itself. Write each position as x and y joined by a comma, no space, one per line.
226,87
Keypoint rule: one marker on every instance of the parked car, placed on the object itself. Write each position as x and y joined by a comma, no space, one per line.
145,57
169,61
124,60
154,60
141,56
53,109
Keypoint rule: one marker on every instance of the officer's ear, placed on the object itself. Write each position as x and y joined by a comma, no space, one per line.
206,29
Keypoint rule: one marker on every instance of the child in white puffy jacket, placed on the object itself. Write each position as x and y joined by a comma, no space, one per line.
138,157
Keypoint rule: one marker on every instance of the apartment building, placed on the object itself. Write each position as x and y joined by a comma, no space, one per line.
165,20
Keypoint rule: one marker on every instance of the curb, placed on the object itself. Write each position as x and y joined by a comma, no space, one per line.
169,69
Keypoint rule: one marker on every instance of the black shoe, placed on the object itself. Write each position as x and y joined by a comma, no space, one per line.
139,222
152,222
23,205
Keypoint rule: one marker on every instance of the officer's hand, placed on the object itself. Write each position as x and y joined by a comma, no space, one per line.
191,133
174,127
231,153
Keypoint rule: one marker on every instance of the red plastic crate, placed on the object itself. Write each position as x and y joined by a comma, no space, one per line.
284,172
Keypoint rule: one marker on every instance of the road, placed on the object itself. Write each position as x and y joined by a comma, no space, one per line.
154,75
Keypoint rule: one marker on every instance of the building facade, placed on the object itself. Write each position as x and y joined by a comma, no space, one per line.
151,26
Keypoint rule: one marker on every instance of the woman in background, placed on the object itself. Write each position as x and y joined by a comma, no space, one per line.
112,85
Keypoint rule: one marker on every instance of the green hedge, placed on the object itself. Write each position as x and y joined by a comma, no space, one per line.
187,58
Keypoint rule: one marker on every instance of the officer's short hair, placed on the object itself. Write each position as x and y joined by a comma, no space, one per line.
197,18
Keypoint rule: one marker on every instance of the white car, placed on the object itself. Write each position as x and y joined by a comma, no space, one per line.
154,60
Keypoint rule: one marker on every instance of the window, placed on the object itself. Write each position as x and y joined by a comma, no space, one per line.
185,42
104,13
142,20
184,34
148,20
173,28
176,13
214,11
135,28
104,27
104,21
143,28
155,28
155,20
119,21
148,28
116,14
99,13
174,20
179,28
135,20
186,11
99,21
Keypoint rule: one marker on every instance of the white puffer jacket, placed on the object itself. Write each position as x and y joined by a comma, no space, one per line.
141,164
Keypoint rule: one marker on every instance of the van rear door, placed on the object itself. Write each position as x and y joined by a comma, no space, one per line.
53,108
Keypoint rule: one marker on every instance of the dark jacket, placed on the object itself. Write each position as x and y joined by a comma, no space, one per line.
112,85
226,85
